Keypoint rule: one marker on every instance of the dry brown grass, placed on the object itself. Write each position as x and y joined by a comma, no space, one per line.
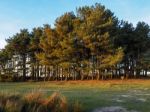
98,82
57,103
33,102
33,96
10,103
77,107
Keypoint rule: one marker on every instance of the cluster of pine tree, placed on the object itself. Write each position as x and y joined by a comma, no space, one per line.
91,44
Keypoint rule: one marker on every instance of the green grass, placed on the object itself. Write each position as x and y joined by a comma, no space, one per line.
131,94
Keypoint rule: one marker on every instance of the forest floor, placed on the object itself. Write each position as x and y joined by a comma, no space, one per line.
94,96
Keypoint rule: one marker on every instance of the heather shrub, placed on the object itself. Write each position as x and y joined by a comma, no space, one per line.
10,103
56,103
35,102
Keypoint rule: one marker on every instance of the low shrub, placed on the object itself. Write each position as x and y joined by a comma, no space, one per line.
56,103
10,103
35,102
8,78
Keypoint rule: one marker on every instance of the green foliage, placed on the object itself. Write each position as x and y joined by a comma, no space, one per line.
34,45
19,43
48,44
94,31
83,44
4,57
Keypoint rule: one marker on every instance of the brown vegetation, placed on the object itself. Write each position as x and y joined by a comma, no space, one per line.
35,102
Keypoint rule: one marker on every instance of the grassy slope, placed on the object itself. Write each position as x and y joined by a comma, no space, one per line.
131,94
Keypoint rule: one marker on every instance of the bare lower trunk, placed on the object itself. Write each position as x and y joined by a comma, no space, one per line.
37,71
24,67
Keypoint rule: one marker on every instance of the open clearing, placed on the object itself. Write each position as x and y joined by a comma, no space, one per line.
130,95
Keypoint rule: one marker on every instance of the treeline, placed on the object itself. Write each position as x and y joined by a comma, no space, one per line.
89,44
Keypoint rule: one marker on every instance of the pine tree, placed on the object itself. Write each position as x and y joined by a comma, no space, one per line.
19,45
65,29
49,45
96,22
36,35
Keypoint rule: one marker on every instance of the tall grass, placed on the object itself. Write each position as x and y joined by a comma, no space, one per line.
77,107
35,102
10,103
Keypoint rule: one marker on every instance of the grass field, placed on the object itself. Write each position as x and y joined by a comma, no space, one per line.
130,94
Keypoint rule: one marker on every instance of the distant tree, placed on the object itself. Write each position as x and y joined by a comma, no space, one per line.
64,27
125,39
134,41
49,45
145,62
141,45
4,57
91,44
36,36
19,45
96,21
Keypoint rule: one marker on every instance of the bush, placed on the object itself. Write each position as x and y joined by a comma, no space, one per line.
57,103
8,78
10,103
35,102
32,102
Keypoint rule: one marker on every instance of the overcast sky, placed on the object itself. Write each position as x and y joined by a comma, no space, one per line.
19,14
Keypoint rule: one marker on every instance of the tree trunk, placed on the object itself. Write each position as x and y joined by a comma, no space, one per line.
37,70
24,67
99,73
32,73
45,73
145,72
